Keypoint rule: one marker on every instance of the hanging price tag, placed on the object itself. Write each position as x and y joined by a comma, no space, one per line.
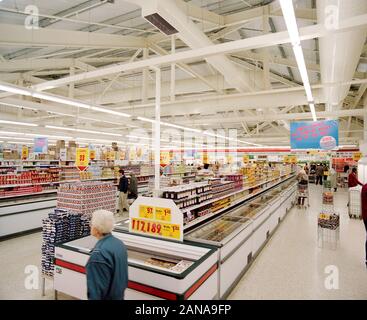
357,156
245,159
165,158
24,153
82,158
92,154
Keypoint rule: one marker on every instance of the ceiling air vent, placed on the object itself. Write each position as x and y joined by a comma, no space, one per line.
156,20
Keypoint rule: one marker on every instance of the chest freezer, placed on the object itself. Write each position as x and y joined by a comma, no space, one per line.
158,269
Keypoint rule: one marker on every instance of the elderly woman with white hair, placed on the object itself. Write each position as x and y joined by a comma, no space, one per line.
107,274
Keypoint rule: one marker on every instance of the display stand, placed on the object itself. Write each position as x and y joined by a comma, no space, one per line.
354,200
328,220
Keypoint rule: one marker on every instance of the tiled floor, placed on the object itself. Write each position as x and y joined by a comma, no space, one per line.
291,266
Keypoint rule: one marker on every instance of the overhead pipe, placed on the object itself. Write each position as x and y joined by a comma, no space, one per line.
339,52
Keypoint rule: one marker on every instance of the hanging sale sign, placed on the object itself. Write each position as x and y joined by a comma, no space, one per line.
357,156
82,158
245,159
92,154
156,217
25,153
165,158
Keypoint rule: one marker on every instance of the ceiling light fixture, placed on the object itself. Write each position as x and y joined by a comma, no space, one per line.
291,23
84,130
13,89
19,123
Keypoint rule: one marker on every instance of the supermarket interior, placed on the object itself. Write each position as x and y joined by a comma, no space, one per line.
183,150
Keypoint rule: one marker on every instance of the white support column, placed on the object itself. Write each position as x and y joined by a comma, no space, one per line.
157,131
145,77
173,70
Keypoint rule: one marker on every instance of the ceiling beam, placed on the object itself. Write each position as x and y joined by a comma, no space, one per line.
261,41
16,35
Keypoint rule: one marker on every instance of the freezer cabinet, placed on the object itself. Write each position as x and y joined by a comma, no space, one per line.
231,236
158,269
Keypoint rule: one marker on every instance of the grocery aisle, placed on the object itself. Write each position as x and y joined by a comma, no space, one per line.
291,266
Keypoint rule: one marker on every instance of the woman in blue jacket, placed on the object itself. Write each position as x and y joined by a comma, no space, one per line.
107,268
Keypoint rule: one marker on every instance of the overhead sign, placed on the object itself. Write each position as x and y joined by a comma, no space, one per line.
40,145
315,134
156,217
82,158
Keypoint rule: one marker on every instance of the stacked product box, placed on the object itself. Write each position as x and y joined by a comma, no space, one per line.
86,197
21,191
60,226
69,173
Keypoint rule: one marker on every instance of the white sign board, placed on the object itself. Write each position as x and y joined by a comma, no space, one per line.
156,217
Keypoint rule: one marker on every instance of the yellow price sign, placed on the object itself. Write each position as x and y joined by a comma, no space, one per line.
163,214
25,151
82,158
205,158
357,156
285,159
165,158
92,154
324,216
146,212
245,159
167,230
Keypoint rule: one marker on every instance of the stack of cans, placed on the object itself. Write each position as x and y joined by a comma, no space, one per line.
60,226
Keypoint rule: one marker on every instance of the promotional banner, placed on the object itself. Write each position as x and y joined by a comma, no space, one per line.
40,145
82,158
315,134
92,154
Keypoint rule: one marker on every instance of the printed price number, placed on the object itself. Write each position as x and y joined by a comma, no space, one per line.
146,212
165,230
163,214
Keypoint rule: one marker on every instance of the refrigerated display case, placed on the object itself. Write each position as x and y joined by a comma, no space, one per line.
158,269
240,234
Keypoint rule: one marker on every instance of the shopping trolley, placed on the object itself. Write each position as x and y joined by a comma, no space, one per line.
302,194
354,200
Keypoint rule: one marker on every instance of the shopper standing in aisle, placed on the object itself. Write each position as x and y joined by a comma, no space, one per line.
302,178
306,169
353,180
364,214
133,187
332,175
123,188
107,267
319,173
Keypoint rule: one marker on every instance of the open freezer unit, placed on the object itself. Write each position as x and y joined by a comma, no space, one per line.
158,269
240,234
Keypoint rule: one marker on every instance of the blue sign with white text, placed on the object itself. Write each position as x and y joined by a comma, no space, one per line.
315,134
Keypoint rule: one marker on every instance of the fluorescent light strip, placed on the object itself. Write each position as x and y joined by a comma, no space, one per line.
13,89
15,133
84,130
61,100
110,112
16,138
291,23
19,123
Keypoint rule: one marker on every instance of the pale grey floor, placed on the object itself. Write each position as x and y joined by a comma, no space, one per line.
291,266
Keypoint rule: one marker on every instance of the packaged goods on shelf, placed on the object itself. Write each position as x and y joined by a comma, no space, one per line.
327,197
146,170
21,191
237,179
223,188
107,172
86,197
40,175
85,175
95,171
69,173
